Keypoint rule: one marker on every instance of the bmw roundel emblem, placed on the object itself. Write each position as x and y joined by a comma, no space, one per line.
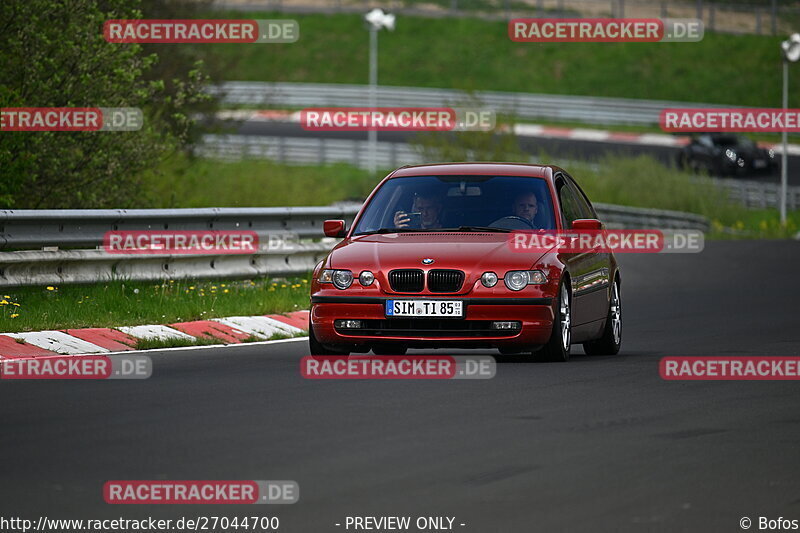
427,261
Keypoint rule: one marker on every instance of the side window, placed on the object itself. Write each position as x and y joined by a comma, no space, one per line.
570,208
583,202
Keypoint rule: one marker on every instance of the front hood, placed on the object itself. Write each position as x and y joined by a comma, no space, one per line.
462,251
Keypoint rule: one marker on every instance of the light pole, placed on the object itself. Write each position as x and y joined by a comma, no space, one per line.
377,20
791,53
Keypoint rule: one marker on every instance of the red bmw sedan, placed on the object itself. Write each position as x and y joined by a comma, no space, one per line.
427,264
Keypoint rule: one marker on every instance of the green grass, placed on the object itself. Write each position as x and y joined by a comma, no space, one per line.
184,182
157,344
133,303
475,54
637,182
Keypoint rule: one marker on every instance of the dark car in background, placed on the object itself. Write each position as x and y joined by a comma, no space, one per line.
726,154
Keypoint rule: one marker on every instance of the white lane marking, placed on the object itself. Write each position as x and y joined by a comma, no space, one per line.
258,326
59,342
155,332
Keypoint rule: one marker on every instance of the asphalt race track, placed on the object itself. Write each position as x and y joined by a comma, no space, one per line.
569,149
597,444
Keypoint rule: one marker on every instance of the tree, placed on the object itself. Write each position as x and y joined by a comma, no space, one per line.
54,55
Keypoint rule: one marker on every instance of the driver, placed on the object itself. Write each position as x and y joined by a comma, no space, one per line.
430,208
526,206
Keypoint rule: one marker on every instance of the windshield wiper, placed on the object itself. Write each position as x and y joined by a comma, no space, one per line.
390,230
480,228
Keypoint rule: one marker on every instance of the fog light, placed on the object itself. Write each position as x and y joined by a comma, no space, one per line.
366,278
489,279
347,324
505,325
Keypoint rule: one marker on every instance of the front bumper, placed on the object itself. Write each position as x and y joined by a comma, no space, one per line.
535,316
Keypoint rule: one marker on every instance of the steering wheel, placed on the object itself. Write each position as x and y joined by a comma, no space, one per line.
512,222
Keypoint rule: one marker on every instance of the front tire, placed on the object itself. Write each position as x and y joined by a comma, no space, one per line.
558,347
316,348
611,341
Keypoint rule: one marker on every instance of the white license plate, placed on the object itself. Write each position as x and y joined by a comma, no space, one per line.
424,308
759,163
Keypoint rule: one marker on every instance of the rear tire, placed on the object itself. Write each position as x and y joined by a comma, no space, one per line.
611,341
316,348
558,347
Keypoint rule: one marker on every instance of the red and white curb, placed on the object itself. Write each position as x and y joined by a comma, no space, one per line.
522,130
93,341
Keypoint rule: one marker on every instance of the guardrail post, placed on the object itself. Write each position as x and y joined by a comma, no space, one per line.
321,156
663,9
540,8
282,150
454,6
758,21
700,9
621,9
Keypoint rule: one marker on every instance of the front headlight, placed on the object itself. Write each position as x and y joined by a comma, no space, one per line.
516,280
341,279
730,154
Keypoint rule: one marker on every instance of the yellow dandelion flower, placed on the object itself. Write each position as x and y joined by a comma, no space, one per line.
283,286
191,288
6,296
226,290
15,315
305,281
221,284
3,302
213,286
50,288
15,303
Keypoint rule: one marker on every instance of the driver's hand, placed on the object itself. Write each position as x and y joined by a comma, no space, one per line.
401,219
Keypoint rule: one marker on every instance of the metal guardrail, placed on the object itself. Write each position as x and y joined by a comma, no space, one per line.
765,18
66,228
322,151
38,239
585,109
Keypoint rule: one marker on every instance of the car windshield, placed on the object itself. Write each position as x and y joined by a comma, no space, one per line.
728,141
459,203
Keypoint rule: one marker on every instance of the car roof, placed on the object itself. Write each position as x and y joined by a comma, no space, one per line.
479,169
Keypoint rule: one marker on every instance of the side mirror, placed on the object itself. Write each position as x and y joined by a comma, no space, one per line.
334,228
587,224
